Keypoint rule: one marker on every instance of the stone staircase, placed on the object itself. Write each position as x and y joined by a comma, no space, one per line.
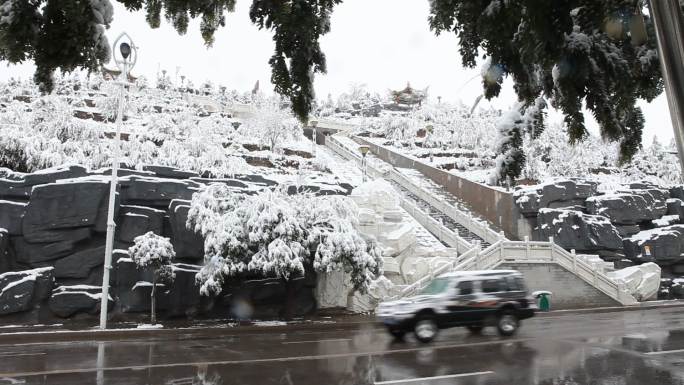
478,244
443,218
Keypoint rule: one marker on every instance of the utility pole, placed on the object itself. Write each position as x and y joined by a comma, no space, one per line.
129,56
669,26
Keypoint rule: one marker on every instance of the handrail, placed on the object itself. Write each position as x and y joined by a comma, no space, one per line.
477,227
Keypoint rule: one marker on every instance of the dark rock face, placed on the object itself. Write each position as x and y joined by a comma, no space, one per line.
182,298
170,172
103,211
22,290
187,243
137,220
675,206
5,261
36,254
268,297
155,192
11,214
62,206
628,208
79,265
663,245
14,189
66,301
575,230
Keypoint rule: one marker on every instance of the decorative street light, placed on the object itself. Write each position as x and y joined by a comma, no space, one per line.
236,124
314,136
364,162
129,56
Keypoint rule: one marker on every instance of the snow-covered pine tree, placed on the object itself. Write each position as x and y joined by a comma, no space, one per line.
154,252
569,52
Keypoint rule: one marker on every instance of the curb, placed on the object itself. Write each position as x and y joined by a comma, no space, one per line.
613,309
26,337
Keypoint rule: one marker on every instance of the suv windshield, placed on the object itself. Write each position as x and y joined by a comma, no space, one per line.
436,286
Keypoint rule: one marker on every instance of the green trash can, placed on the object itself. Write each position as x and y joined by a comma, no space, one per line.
543,299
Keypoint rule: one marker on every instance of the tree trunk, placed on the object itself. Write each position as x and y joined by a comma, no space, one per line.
153,317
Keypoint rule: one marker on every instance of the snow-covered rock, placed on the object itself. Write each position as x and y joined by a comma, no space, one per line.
22,290
579,231
629,208
554,194
664,245
66,301
138,220
641,281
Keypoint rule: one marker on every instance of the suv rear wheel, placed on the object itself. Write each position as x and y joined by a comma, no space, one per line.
507,323
425,329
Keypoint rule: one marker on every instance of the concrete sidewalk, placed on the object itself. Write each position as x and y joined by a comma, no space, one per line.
181,330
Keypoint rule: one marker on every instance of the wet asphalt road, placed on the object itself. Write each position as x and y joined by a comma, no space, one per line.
638,347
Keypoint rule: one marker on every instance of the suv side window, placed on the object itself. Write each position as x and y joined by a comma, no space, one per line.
521,283
465,287
491,286
513,284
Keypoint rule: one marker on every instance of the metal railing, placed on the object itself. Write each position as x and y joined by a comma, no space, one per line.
477,227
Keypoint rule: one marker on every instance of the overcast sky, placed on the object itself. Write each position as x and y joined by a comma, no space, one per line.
380,43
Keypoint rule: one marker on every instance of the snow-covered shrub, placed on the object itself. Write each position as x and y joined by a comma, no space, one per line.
154,252
275,234
272,125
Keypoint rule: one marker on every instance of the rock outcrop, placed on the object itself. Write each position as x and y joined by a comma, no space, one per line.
22,290
575,230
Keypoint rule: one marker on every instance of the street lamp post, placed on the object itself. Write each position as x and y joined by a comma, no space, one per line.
669,27
314,136
364,162
128,58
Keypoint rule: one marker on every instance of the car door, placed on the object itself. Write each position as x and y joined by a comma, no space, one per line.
459,309
486,302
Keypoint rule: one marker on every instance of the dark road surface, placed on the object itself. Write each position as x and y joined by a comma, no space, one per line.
621,348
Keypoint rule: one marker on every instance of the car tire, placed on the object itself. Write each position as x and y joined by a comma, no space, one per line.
507,323
397,333
475,329
425,329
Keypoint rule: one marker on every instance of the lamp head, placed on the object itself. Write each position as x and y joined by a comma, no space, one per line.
314,123
125,50
364,150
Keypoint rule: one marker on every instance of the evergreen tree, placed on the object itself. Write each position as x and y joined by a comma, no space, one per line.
69,34
601,53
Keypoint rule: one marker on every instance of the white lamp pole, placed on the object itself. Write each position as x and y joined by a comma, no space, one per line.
314,136
128,58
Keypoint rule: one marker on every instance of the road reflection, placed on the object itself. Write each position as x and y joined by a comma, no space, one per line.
621,360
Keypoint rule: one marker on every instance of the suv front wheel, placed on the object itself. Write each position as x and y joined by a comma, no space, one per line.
425,329
507,323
